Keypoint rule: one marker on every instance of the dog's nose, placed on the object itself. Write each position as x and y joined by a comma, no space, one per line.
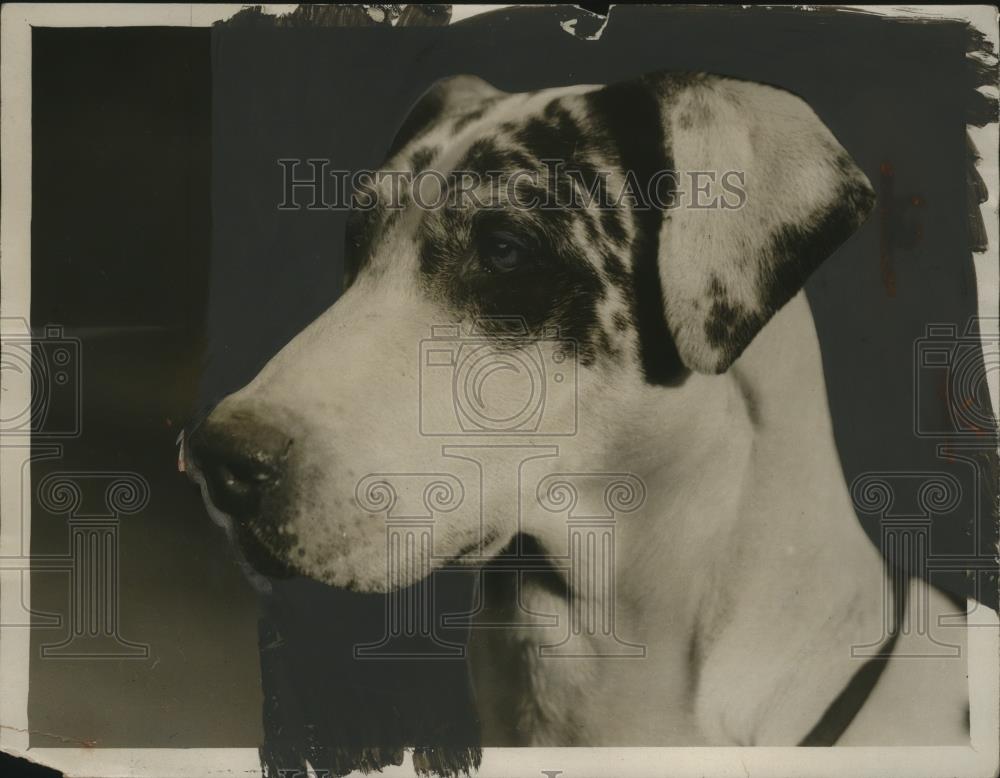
241,460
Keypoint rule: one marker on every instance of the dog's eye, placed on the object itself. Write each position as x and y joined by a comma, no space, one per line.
501,252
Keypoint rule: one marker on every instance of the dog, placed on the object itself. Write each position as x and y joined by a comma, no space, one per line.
741,578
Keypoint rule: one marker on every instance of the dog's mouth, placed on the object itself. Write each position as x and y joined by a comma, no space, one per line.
259,556
261,564
258,562
477,552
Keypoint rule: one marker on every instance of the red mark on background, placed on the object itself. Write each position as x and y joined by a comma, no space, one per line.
885,227
918,202
942,391
968,404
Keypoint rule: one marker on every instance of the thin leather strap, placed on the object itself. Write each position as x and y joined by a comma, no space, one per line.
842,711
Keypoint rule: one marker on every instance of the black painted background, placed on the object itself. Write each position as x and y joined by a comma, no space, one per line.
120,234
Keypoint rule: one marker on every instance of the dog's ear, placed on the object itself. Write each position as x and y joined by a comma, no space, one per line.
450,96
725,271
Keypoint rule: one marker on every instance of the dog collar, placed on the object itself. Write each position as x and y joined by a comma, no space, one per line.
842,711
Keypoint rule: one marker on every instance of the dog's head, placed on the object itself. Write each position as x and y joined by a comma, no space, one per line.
539,270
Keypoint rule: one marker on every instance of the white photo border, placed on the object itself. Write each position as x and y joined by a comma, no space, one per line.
981,758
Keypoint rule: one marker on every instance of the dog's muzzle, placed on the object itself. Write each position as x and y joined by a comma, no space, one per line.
242,463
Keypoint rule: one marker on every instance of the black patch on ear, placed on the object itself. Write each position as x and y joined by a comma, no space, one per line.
798,249
630,114
794,252
728,323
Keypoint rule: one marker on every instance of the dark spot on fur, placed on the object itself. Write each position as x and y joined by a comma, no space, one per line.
465,120
421,159
555,288
486,156
715,288
606,347
793,252
796,250
474,115
728,322
615,270
621,321
587,184
556,136
613,226
629,115
594,234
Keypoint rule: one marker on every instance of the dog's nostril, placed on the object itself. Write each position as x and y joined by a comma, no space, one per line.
241,461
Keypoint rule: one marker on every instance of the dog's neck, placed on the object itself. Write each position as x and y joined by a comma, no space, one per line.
799,582
762,577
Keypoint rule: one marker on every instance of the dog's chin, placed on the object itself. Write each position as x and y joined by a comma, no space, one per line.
260,558
474,554
258,563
